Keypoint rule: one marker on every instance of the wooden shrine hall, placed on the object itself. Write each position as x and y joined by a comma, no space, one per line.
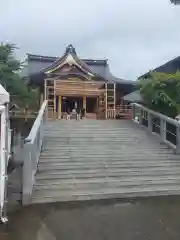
69,80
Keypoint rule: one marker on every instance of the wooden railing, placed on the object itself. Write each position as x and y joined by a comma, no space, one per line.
121,111
32,150
22,114
166,128
111,113
124,111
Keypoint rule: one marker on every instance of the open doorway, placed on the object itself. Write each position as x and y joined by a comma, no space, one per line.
91,105
69,103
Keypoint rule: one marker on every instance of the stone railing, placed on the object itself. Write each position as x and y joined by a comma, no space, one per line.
32,150
168,129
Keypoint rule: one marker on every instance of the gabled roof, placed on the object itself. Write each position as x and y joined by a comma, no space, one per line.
99,68
53,59
169,67
133,97
71,58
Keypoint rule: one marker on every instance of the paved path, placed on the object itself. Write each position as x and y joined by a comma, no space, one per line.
150,219
90,159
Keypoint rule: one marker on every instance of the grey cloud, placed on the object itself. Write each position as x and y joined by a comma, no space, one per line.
135,35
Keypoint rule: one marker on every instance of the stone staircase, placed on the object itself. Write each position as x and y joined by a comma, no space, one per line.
98,159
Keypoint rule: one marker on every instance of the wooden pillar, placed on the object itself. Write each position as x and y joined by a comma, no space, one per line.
106,103
97,104
97,107
59,106
45,98
84,102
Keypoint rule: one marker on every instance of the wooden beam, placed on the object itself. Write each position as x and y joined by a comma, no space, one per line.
78,93
69,81
77,84
78,81
55,114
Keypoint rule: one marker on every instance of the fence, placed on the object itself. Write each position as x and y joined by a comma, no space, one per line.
121,111
124,111
167,128
4,158
22,114
32,150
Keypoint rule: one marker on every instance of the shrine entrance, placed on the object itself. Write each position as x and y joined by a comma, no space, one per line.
96,97
70,103
91,104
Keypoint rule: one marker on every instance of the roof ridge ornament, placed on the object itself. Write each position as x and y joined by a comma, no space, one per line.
70,49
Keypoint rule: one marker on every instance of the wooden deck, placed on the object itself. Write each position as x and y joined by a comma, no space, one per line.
96,159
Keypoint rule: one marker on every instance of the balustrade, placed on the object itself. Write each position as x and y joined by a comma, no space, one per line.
32,150
166,128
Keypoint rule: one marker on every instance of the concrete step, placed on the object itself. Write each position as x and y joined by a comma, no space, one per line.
97,146
104,152
69,160
107,155
99,174
89,165
94,186
113,193
108,180
91,187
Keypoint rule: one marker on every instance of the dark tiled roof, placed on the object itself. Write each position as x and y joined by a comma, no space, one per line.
41,58
53,59
133,97
71,50
169,67
38,63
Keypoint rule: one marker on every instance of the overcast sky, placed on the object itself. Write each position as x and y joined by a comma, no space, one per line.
135,35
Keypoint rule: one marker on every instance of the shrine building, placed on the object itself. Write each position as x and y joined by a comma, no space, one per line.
68,79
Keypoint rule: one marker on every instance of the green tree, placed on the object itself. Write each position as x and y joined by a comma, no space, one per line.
161,92
10,78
